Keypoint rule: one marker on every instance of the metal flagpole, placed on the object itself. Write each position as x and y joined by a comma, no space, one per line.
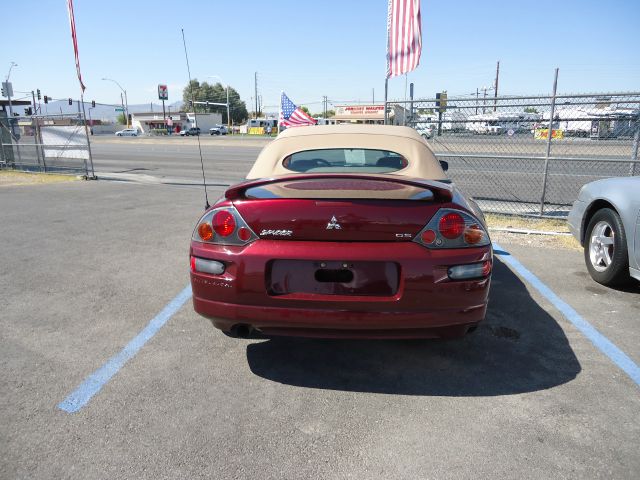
386,92
404,115
279,111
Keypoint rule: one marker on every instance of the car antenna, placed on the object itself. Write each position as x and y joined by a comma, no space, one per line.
195,116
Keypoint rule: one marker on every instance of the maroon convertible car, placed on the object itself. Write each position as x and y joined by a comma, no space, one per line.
348,231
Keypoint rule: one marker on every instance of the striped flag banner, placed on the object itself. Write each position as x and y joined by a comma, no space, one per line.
404,36
72,23
293,116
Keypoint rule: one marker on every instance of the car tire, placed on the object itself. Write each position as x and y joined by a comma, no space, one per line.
605,249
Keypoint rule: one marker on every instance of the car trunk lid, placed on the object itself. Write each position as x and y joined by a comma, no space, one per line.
339,208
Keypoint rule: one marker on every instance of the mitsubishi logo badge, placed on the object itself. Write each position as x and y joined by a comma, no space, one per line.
333,224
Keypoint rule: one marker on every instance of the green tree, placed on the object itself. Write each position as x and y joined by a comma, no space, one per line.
305,109
217,93
121,119
530,110
330,113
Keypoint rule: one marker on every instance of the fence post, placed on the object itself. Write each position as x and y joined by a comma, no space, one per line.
86,132
40,143
634,150
386,92
35,129
549,137
411,122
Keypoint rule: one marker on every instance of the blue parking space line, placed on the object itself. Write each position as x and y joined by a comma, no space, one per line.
94,382
601,342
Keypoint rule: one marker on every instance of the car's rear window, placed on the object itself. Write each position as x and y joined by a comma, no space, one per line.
345,160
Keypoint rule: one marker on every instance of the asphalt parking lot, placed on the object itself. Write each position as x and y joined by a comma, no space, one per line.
85,266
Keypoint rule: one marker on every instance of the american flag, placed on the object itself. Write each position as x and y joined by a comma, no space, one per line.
72,22
404,36
292,116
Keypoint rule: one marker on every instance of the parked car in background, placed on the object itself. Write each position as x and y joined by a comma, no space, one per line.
606,221
190,131
426,129
350,231
218,130
127,132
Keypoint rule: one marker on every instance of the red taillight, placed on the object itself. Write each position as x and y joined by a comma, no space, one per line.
193,264
451,225
223,223
244,234
486,268
428,236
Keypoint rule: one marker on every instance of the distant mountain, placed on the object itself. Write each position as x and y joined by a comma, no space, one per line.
104,112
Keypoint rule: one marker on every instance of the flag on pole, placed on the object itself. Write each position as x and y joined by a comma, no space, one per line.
72,22
404,36
291,115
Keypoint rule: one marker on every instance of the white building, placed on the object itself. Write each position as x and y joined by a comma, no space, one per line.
150,121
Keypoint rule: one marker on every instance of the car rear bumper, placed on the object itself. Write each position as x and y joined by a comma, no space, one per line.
422,303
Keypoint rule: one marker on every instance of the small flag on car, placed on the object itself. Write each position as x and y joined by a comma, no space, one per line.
293,116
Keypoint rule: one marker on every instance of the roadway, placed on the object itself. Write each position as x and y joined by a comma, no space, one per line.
499,171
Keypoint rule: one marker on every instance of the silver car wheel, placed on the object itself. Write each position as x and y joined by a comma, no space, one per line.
601,246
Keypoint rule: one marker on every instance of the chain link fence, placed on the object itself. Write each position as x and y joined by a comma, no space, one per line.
45,143
499,149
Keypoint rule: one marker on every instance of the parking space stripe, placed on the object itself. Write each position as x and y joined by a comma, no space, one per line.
94,382
601,342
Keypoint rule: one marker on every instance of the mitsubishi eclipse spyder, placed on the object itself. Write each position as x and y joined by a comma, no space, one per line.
343,231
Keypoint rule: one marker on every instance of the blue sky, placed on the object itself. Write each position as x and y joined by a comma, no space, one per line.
315,48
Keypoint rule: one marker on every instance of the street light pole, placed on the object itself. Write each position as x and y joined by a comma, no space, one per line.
126,100
227,88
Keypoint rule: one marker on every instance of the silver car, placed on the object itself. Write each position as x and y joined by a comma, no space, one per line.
606,221
127,132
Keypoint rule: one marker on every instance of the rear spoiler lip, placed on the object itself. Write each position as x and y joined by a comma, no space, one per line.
442,191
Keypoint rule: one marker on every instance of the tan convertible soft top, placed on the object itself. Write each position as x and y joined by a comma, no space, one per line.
402,140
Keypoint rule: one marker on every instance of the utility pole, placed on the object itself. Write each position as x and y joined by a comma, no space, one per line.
373,96
495,95
124,111
477,98
484,98
33,96
255,84
228,117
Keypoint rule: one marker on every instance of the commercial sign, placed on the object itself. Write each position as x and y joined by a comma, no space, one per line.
163,92
543,134
359,111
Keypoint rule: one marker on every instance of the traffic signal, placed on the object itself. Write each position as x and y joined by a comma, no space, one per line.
441,101
93,104
28,111
39,97
4,94
70,102
46,99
